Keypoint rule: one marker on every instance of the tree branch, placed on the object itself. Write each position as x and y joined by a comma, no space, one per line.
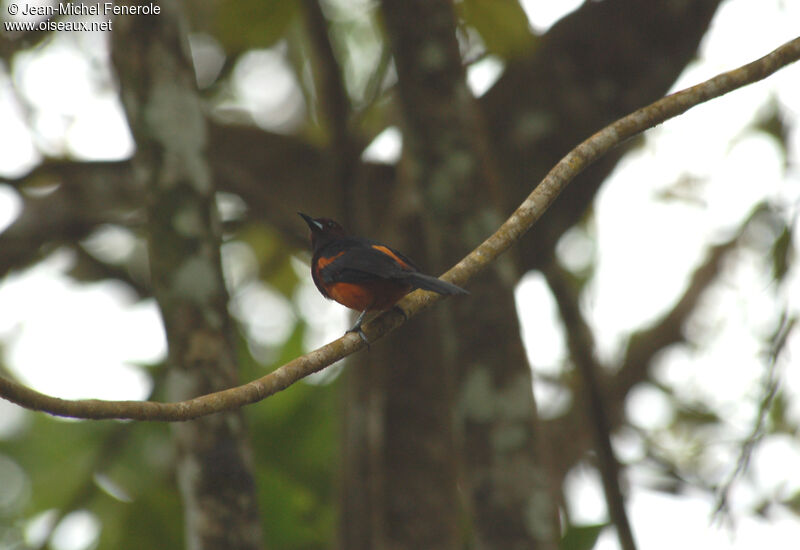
643,345
514,227
334,103
86,196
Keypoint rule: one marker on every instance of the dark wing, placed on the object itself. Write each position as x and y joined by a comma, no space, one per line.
363,263
373,261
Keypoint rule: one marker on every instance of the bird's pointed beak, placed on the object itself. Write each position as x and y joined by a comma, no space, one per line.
312,223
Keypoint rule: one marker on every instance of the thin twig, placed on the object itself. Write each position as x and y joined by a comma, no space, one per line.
582,351
514,227
770,385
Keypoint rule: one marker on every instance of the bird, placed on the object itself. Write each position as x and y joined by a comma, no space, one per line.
363,274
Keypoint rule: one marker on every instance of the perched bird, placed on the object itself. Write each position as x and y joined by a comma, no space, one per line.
363,274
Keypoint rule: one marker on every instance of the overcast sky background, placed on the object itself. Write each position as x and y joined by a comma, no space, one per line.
77,341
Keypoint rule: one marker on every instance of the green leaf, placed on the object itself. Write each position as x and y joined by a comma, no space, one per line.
273,255
246,24
154,520
771,122
782,253
295,450
697,415
780,421
793,503
502,24
581,537
58,456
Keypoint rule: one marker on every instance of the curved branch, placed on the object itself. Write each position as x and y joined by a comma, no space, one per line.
520,221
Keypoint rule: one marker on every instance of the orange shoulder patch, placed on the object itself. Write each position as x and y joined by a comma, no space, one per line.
388,251
322,261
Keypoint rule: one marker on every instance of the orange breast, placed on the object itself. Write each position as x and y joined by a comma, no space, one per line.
369,296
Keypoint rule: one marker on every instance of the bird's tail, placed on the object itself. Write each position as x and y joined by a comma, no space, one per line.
426,282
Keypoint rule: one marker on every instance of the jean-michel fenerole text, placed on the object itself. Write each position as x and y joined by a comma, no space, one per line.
99,8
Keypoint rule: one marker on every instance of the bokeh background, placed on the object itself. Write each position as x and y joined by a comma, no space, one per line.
678,250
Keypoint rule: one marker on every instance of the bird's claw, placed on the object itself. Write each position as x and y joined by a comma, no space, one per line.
360,333
357,328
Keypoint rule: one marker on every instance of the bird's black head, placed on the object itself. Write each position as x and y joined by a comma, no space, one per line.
323,230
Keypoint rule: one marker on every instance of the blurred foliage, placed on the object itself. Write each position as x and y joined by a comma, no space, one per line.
241,25
273,256
782,253
779,417
771,121
502,24
581,537
294,436
123,472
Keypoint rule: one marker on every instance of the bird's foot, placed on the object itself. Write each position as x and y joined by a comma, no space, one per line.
357,328
360,333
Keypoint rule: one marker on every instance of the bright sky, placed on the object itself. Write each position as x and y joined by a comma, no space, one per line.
76,340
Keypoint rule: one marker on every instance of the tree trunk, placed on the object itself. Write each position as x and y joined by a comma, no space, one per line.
214,456
464,367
